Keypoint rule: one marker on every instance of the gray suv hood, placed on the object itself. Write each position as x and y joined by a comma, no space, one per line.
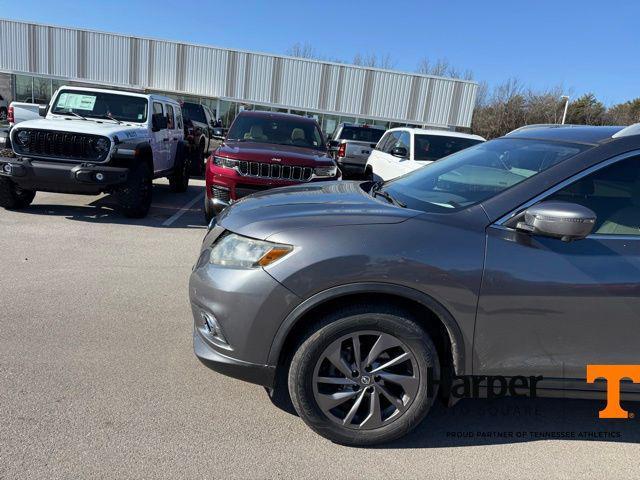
320,204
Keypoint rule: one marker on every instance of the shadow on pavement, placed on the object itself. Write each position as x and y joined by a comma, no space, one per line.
517,420
105,209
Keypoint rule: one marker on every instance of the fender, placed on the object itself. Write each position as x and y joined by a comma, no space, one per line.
457,340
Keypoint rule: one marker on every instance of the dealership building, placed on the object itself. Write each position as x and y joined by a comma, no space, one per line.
36,59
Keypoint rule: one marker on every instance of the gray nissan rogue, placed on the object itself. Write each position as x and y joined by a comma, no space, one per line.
518,258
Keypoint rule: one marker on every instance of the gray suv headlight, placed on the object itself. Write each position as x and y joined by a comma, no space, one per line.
237,251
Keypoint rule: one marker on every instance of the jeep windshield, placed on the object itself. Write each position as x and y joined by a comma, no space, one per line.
105,106
477,173
278,131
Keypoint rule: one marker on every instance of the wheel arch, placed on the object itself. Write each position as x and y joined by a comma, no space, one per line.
431,314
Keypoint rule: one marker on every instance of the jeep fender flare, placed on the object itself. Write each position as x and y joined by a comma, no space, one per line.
451,325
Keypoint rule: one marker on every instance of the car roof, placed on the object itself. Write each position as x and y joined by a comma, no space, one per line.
362,125
436,132
567,133
275,115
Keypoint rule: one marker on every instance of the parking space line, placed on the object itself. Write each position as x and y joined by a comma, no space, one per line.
169,221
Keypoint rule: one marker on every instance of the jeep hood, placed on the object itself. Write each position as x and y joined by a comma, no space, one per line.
89,126
321,204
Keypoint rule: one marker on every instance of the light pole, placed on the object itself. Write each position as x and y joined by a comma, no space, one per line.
566,107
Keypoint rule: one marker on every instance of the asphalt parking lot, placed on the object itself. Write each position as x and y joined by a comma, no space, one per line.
99,380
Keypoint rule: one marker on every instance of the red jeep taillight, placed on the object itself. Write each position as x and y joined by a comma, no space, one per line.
342,150
10,117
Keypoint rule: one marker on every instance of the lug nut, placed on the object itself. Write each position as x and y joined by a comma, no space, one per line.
355,373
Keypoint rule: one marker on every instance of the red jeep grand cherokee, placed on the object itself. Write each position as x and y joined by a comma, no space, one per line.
266,150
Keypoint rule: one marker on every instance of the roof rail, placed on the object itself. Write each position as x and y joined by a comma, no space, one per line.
540,125
628,131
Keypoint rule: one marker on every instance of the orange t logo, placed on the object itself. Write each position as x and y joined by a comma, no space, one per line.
613,374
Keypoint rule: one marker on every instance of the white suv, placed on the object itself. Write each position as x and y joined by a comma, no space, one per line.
402,150
94,141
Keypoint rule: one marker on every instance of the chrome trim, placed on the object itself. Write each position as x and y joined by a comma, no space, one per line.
500,222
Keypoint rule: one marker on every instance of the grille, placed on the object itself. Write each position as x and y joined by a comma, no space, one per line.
74,146
277,172
220,193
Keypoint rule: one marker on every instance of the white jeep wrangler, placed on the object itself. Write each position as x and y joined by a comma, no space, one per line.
93,141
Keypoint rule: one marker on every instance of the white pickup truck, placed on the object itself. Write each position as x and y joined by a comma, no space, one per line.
93,141
21,112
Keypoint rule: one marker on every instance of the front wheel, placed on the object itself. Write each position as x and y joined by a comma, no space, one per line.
361,377
208,210
134,196
12,197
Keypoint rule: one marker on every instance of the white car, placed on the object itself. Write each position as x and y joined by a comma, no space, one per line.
402,150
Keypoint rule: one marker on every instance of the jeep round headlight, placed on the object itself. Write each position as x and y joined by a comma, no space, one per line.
242,252
101,145
23,138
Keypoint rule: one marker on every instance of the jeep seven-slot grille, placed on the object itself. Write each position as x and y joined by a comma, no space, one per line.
273,171
74,146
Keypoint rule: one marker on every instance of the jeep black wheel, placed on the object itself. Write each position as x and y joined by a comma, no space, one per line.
361,377
134,197
179,180
12,197
3,114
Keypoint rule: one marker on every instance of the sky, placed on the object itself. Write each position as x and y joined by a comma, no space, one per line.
582,46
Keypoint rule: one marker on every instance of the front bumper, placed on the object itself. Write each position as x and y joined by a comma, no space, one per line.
32,174
248,306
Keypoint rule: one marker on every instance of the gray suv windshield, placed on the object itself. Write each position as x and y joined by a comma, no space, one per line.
477,173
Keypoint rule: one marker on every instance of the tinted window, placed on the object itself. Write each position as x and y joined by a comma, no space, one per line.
435,147
281,131
125,108
613,193
361,134
157,108
194,112
477,173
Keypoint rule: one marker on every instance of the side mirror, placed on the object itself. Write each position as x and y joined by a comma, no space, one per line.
158,122
563,220
42,110
400,152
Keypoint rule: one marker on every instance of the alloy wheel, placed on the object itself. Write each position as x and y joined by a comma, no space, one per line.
365,380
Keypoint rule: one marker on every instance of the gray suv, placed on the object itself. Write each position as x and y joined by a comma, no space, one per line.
518,258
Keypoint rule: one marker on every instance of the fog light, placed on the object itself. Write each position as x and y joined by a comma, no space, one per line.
211,328
7,168
99,177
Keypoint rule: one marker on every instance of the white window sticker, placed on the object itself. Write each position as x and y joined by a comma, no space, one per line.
76,101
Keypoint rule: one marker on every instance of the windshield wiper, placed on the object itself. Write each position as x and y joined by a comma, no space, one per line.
71,112
376,190
110,117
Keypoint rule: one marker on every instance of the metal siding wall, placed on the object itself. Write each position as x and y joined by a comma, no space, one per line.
242,76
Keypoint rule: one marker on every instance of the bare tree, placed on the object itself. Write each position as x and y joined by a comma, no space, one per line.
442,68
374,60
302,50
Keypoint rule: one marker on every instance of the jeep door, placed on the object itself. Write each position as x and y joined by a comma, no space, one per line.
551,308
160,142
173,134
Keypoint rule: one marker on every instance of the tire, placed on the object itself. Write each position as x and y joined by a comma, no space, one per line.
376,419
208,210
12,197
134,197
3,114
179,180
